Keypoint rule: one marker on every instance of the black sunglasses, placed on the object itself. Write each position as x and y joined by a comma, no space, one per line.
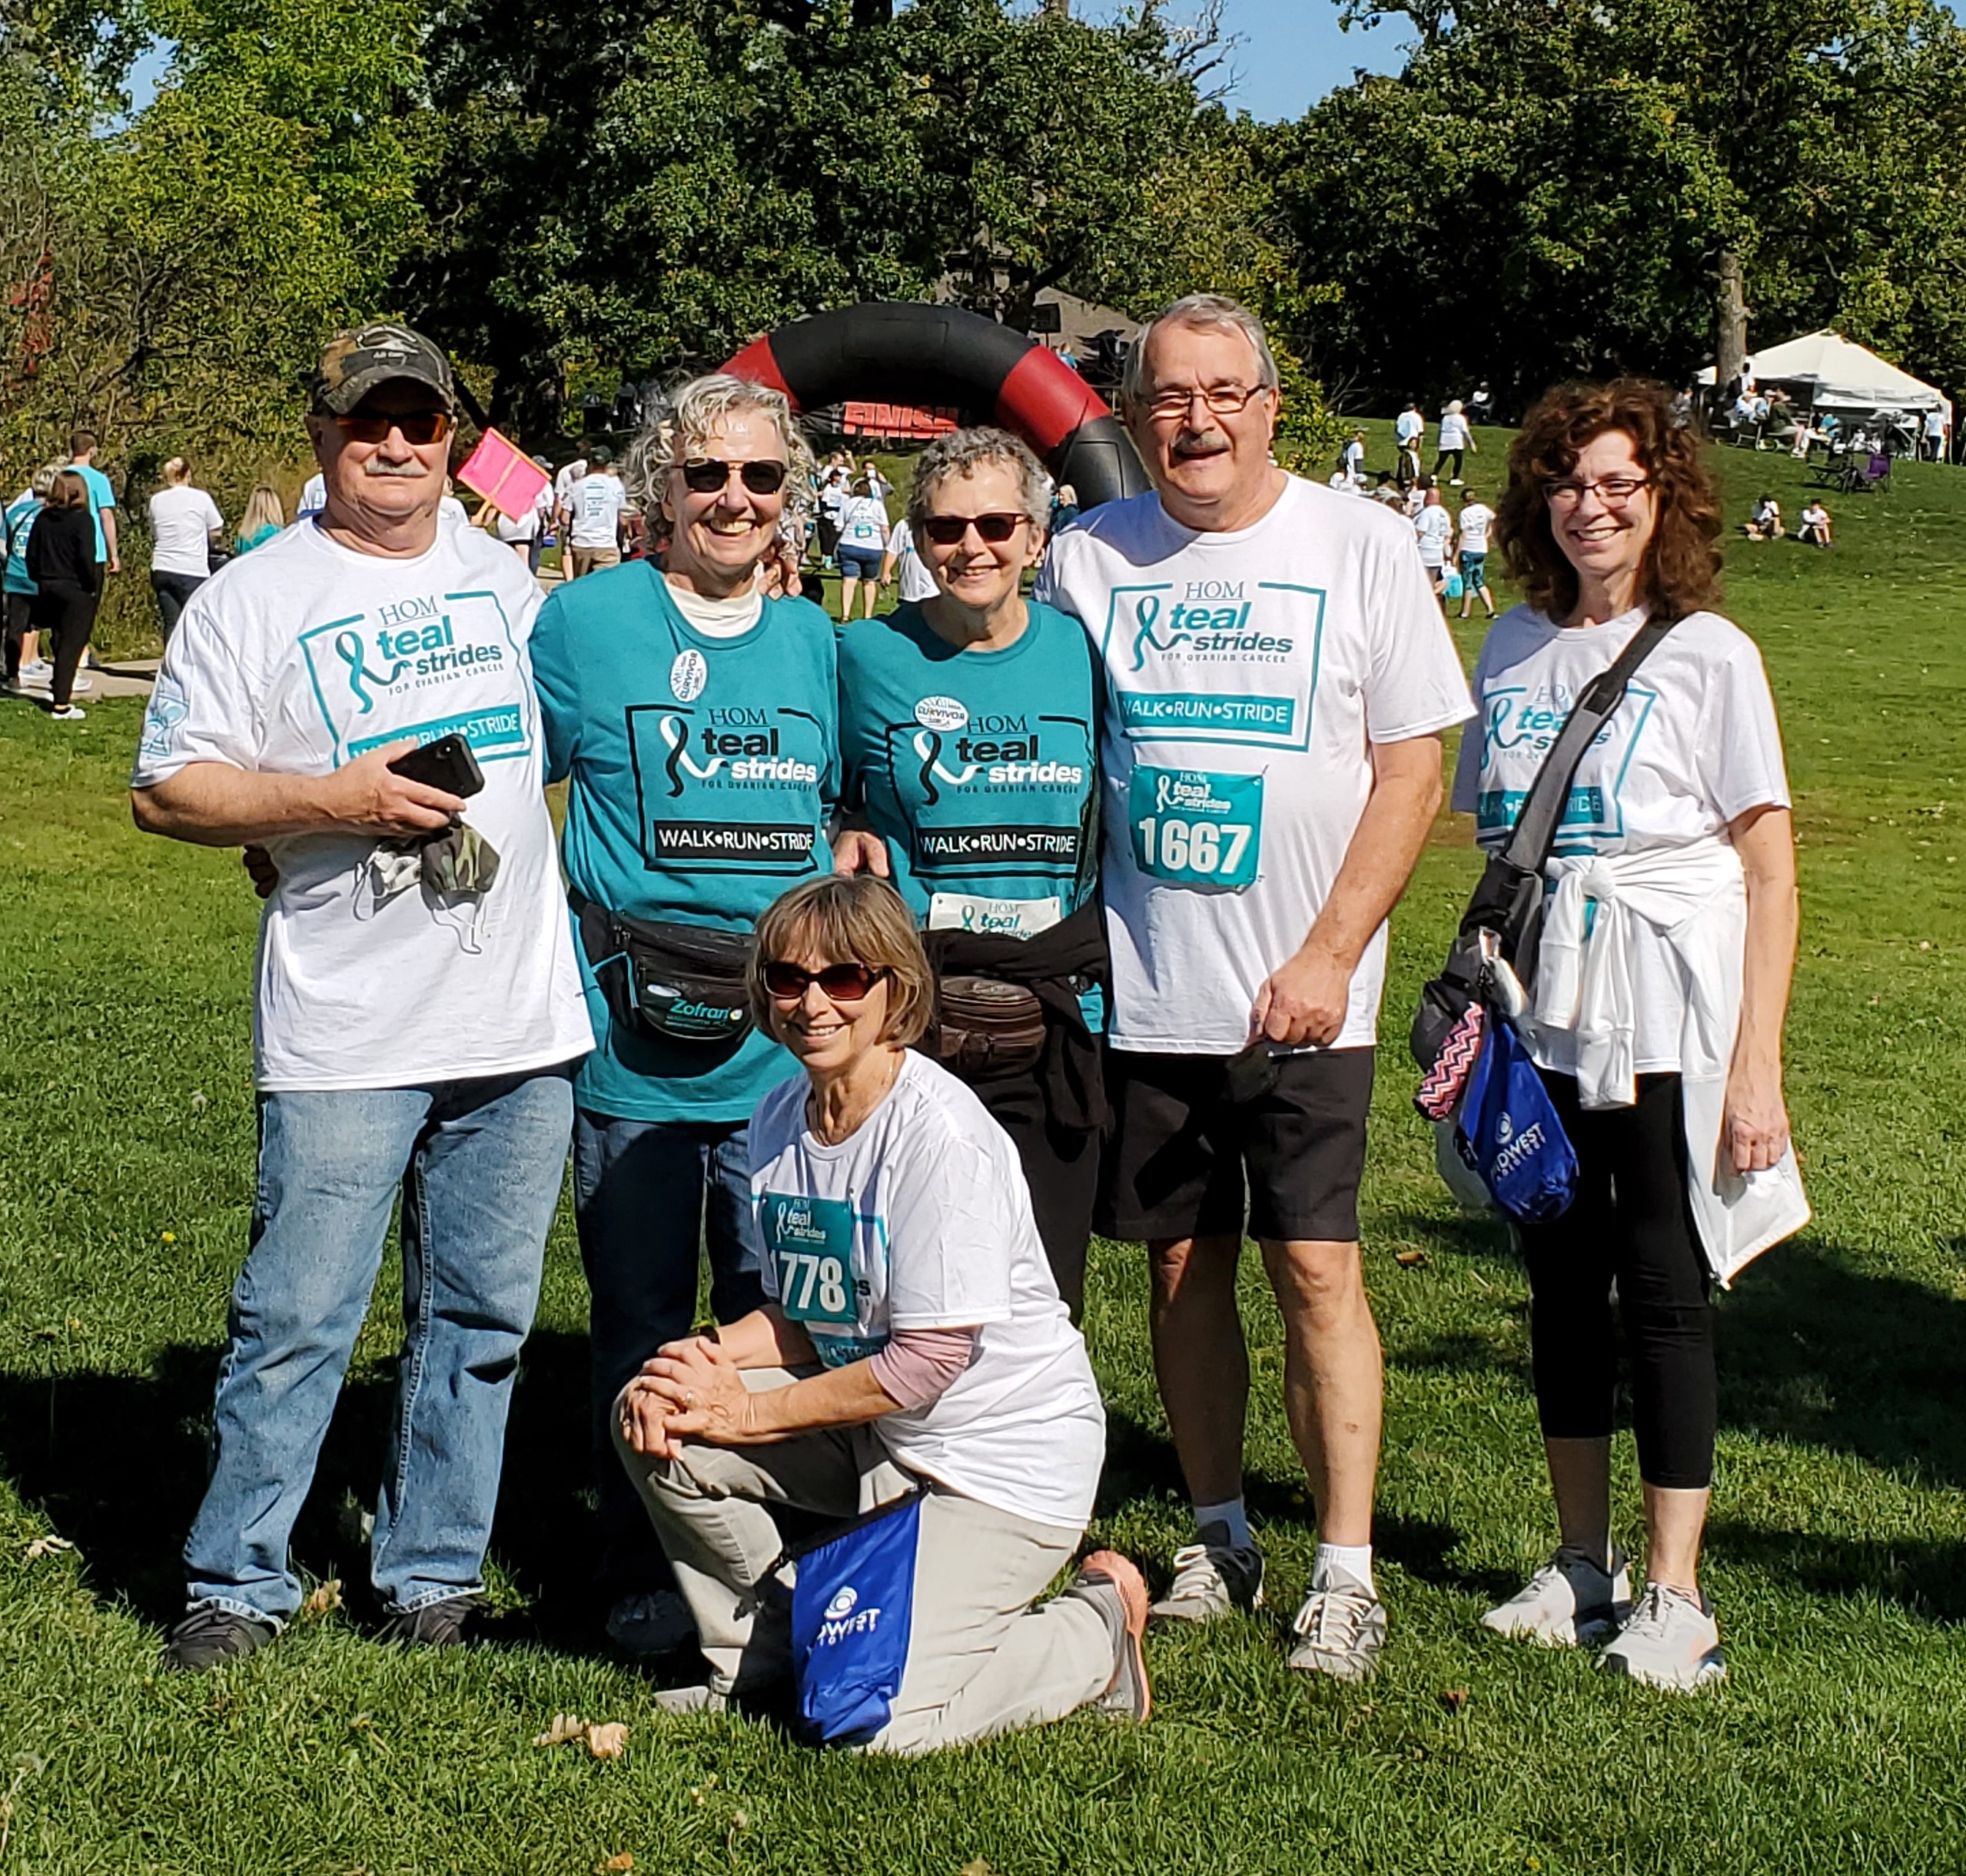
842,983
417,426
708,475
946,530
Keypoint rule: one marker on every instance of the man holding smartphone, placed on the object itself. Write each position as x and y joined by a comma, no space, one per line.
415,1026
1278,676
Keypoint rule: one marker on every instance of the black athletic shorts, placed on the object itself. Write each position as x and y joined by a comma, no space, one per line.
1186,1161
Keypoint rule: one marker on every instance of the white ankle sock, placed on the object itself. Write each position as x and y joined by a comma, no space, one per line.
1354,1559
1232,1514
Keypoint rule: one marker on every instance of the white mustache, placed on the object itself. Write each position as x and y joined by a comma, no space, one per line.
375,466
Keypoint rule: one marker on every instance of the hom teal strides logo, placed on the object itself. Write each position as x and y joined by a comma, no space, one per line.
427,666
1220,624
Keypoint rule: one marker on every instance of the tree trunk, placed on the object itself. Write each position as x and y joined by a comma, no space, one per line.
1730,311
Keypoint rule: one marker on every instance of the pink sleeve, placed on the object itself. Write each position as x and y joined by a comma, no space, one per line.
917,1364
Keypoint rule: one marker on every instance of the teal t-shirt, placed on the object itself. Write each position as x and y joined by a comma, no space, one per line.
701,772
977,767
101,495
21,513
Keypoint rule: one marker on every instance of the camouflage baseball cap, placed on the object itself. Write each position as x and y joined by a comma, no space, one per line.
353,363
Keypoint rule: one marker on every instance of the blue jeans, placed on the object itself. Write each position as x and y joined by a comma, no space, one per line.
479,1165
640,1189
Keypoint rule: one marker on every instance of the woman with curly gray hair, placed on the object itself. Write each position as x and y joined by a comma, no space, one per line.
694,717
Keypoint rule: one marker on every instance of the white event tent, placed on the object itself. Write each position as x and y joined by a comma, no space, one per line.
1828,372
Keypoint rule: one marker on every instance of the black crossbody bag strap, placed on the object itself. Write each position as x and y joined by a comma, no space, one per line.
1534,835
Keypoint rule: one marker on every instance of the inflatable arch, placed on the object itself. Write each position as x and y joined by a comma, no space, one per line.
905,352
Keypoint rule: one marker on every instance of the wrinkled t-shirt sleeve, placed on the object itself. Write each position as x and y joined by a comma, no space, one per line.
1415,687
948,1246
203,707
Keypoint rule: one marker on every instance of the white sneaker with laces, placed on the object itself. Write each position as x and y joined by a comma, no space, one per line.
1573,1601
657,1622
1212,1578
1670,1641
37,671
1343,1627
68,713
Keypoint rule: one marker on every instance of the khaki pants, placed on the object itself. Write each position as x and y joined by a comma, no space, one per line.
592,559
982,1660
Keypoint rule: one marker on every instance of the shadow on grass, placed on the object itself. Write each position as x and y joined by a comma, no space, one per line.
117,1463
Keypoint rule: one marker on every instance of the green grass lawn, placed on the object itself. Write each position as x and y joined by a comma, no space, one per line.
1838,1548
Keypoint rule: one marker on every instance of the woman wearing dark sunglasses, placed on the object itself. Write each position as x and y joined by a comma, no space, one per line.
695,717
966,730
912,1340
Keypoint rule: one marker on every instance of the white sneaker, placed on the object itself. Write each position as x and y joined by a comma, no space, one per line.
1572,1602
1670,1641
1212,1579
658,1623
37,671
82,683
68,713
1343,1627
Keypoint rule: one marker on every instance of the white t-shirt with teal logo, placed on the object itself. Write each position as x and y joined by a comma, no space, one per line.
298,658
1246,675
977,767
596,502
703,768
1695,743
922,1219
863,523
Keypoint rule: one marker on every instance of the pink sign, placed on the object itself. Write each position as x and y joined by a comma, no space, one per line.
503,474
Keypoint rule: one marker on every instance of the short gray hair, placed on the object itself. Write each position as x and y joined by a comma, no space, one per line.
683,419
962,453
1203,310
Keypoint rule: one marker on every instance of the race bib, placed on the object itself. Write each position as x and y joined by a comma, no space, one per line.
1018,918
810,1242
1193,828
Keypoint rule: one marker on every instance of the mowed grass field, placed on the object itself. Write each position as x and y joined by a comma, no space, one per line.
1838,1557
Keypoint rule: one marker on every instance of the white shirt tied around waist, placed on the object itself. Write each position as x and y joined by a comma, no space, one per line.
1695,898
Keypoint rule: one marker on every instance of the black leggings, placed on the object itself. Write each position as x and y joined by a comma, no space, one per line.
20,607
173,591
67,612
1442,459
1630,1226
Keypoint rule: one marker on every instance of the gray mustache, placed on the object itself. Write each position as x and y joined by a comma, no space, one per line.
374,466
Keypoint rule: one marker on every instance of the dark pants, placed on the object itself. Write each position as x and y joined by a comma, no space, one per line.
173,590
1061,1167
20,606
1628,1227
1449,458
639,1193
67,613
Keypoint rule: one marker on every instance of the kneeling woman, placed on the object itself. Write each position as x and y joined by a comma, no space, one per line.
967,726
912,1338
1659,998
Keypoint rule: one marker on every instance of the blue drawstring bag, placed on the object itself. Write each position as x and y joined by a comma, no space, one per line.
852,1610
1508,1133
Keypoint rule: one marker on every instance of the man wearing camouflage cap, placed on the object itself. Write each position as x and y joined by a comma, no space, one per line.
418,1009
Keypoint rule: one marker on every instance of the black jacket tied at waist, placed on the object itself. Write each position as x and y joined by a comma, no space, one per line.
1074,1089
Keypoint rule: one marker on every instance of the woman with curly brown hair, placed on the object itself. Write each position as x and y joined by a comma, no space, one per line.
1658,1002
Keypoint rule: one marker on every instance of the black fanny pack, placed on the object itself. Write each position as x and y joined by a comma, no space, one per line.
673,983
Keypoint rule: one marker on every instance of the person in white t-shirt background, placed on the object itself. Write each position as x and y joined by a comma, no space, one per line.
418,1009
1409,428
1658,1002
1278,678
1456,437
1815,531
184,523
1477,519
1433,529
912,1339
903,557
595,505
1352,461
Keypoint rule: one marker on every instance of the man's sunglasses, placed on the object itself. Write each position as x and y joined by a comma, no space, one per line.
842,983
708,476
417,426
946,530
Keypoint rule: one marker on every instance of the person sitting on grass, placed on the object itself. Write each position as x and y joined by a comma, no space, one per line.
913,1339
1814,530
1764,521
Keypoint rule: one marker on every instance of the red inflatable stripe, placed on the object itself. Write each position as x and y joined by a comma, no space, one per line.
760,364
1045,401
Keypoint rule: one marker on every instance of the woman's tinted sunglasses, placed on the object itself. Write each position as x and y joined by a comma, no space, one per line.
708,476
842,983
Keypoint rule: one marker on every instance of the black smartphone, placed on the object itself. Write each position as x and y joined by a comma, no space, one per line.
447,764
